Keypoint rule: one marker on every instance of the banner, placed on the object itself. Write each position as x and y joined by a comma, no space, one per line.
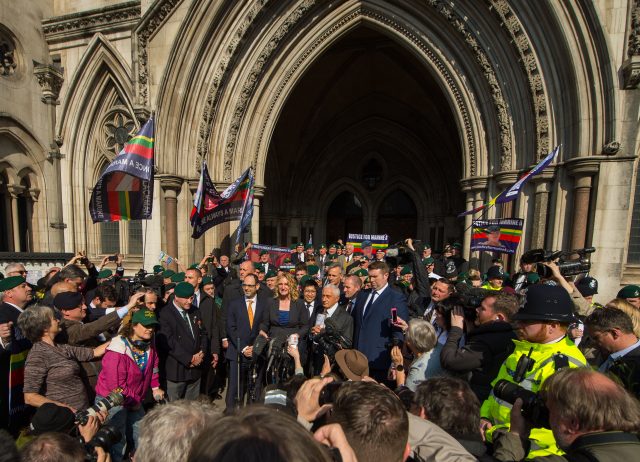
125,189
499,235
234,203
166,259
278,254
378,241
206,197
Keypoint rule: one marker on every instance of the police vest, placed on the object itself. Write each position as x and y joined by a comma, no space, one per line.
548,358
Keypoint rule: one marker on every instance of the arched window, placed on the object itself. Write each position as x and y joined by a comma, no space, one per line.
344,216
398,216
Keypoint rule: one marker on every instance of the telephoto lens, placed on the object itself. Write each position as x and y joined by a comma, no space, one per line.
533,407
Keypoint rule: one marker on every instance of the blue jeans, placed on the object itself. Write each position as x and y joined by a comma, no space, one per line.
127,421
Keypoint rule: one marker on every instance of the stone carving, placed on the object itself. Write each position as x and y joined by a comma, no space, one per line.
213,95
7,57
50,78
633,43
611,149
118,127
152,20
78,25
510,22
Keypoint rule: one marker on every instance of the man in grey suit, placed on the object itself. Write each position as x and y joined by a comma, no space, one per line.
336,316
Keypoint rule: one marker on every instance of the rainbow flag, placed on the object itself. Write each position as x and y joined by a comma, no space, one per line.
500,235
125,189
234,203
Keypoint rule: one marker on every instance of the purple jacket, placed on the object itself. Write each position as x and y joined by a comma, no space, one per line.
119,370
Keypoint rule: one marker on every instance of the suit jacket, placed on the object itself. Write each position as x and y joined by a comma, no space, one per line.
343,323
238,326
627,369
298,319
177,345
295,258
342,259
373,331
211,322
77,333
317,308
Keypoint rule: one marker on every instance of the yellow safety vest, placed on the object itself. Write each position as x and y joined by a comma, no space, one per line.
545,356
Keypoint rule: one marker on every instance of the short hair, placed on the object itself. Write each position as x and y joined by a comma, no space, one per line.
607,319
62,286
53,447
449,403
336,265
8,449
256,280
594,400
168,430
450,286
34,321
379,265
354,279
333,288
256,433
623,305
373,419
72,272
301,267
421,335
506,304
106,292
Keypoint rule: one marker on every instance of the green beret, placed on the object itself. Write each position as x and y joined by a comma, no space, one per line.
631,291
333,246
158,269
299,244
11,282
177,277
308,246
332,257
361,272
304,279
322,246
206,281
168,273
144,317
532,278
457,245
426,246
428,261
292,246
264,252
184,290
270,274
258,266
105,273
312,270
194,266
406,270
171,285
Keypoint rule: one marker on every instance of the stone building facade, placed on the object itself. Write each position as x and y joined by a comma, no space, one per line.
357,115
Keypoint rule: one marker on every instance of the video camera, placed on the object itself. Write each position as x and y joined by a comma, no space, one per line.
400,254
568,265
115,398
533,406
329,342
104,438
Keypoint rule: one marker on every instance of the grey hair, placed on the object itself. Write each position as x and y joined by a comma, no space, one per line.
168,430
336,265
333,288
71,272
355,279
11,267
421,335
34,321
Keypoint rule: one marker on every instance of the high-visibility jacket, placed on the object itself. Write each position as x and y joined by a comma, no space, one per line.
548,358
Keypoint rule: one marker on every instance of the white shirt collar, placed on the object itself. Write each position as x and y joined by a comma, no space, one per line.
332,310
15,306
619,354
382,290
253,300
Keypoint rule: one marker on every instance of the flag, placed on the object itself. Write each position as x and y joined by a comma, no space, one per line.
206,197
125,189
310,239
234,203
498,235
378,241
512,191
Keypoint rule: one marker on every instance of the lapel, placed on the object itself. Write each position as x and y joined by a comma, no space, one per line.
375,302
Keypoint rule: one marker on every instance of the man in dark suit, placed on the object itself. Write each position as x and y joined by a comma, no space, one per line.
182,342
244,315
210,320
298,256
336,316
17,295
373,329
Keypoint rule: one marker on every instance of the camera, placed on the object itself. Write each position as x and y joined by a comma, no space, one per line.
104,438
400,254
533,407
137,281
567,263
112,258
330,342
115,398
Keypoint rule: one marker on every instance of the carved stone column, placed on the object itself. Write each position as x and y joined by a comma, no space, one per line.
475,189
171,186
582,170
543,182
258,194
15,191
50,78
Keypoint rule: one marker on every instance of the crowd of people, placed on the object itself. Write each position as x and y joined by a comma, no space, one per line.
338,354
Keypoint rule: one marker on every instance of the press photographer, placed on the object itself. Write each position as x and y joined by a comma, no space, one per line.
332,330
592,418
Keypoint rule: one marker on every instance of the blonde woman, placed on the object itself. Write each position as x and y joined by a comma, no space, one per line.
286,313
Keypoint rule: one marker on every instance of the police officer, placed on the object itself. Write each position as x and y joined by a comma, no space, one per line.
588,287
543,347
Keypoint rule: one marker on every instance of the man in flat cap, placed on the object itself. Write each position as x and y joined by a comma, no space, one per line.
15,295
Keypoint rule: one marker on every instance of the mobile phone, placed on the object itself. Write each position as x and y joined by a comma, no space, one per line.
394,315
113,257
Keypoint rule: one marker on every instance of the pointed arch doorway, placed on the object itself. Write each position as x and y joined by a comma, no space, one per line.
344,216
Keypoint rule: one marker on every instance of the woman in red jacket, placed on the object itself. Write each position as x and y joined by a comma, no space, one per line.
130,364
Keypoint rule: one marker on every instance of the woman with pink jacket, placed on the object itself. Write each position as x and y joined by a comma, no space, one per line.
131,364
